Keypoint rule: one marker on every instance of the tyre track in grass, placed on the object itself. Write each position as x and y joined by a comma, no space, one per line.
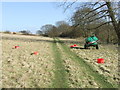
59,80
77,77
100,79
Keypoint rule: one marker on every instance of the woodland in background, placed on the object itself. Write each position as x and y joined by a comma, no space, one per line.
106,33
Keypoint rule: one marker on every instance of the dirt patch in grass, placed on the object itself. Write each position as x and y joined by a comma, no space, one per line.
60,79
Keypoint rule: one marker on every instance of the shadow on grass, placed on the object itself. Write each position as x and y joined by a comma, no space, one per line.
79,48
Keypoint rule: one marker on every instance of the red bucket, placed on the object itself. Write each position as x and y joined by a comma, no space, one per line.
17,46
35,53
100,60
75,45
71,46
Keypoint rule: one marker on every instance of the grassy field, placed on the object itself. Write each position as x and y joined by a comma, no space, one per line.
56,65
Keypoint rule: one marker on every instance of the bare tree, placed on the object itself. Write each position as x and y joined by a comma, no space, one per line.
85,22
49,30
53,32
59,23
26,32
39,32
62,27
46,28
105,9
116,23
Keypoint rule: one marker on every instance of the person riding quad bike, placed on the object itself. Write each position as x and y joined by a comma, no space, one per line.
91,41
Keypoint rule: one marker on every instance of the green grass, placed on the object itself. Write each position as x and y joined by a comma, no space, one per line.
60,80
100,79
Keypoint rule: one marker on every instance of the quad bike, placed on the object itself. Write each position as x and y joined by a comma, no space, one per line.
88,44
